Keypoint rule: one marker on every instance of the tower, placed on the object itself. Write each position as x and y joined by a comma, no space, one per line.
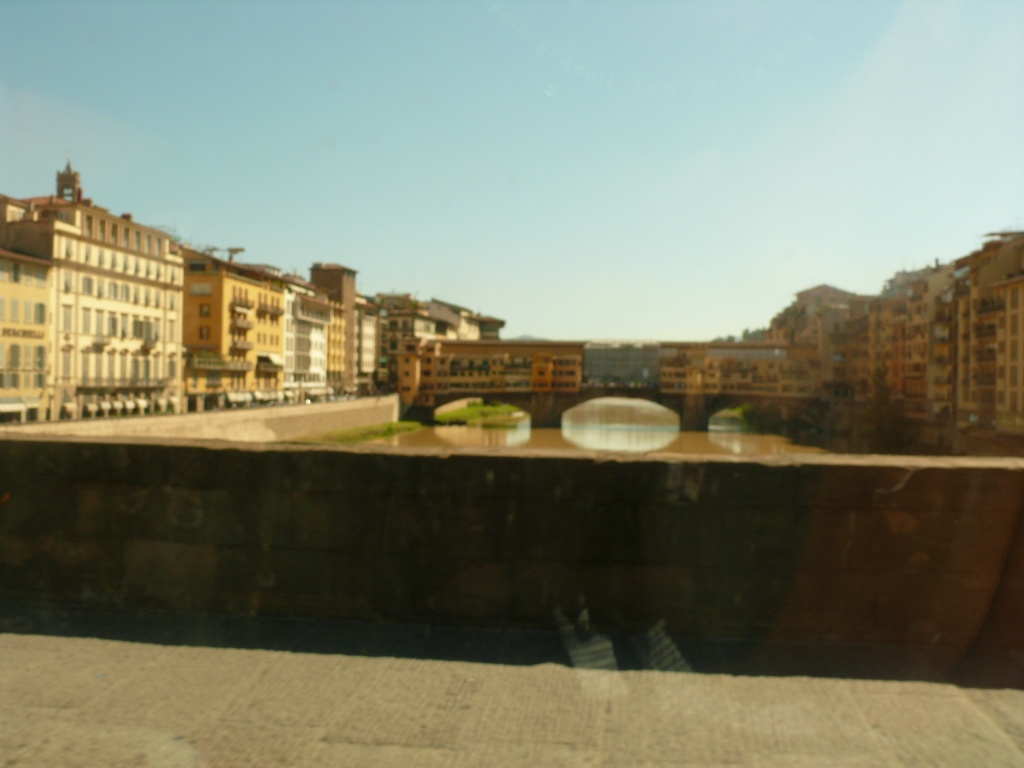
69,184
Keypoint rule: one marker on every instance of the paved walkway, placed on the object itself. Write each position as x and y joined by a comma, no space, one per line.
83,702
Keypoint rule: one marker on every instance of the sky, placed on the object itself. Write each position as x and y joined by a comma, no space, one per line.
584,170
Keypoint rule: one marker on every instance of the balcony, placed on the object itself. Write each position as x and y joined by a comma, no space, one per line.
241,344
985,332
270,309
242,302
101,341
100,384
216,363
988,306
150,340
267,367
242,324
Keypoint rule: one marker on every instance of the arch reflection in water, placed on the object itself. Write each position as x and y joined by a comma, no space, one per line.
497,437
620,424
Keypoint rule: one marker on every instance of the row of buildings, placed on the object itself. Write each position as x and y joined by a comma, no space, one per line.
102,316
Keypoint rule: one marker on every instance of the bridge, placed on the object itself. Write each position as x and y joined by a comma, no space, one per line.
546,407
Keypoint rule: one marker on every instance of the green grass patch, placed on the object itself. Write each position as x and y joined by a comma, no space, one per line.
363,434
483,415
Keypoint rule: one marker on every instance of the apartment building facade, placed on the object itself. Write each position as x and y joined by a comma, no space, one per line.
367,327
234,333
339,283
26,374
115,302
307,325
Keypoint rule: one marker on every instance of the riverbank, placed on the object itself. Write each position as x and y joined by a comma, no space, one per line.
483,415
363,434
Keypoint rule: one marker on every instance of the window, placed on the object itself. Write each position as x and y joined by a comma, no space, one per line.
113,235
15,273
112,329
88,226
86,320
138,241
66,325
68,283
40,357
171,330
15,311
65,364
112,290
3,308
103,230
4,271
99,322
204,310
126,241
126,292
87,285
204,331
40,313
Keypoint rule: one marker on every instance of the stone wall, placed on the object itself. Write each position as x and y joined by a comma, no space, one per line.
820,550
262,424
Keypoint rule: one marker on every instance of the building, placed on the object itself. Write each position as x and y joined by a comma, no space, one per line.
308,313
367,326
233,333
621,363
745,368
339,283
26,326
337,364
401,318
429,369
115,298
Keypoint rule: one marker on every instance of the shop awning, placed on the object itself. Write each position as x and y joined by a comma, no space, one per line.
105,405
118,406
289,396
161,403
129,405
141,403
12,405
91,408
239,398
329,391
270,357
260,397
69,408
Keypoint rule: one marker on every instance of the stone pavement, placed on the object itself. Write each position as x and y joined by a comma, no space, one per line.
85,702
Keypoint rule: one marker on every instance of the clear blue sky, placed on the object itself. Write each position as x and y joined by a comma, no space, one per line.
582,169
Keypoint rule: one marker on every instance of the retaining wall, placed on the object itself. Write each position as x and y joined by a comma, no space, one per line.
824,550
261,424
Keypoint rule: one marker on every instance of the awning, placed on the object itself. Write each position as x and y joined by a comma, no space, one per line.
329,391
105,405
91,408
118,406
141,403
12,405
161,403
289,396
129,405
69,408
260,397
272,358
239,398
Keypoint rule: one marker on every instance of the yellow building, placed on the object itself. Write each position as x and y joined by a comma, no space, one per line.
233,333
336,342
26,381
428,368
740,368
115,298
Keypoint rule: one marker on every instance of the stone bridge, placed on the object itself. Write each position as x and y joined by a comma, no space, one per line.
546,408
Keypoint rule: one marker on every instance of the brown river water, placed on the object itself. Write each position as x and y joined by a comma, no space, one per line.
605,424
638,440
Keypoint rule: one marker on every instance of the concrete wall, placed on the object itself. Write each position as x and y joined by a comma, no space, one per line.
264,424
822,550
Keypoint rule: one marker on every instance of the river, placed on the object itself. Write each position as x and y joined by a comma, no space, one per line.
606,424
